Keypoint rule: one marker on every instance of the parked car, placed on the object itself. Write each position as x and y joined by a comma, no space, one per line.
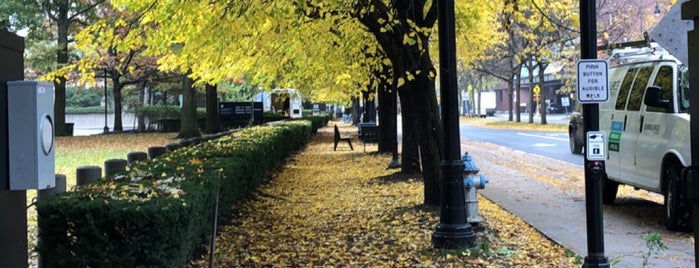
576,134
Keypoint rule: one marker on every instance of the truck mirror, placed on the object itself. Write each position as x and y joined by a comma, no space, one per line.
654,98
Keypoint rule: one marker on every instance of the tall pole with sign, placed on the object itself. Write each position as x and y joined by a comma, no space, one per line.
593,88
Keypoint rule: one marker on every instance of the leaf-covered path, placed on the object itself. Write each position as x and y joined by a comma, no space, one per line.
343,208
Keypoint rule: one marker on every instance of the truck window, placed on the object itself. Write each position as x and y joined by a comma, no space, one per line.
663,80
624,89
639,87
683,87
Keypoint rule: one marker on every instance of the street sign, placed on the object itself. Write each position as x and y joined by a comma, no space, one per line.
593,81
565,101
595,146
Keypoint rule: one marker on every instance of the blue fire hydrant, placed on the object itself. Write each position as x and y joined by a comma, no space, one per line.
472,182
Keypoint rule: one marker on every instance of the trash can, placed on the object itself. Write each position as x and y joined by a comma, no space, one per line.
69,129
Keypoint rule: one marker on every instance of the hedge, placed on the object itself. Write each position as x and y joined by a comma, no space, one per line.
157,212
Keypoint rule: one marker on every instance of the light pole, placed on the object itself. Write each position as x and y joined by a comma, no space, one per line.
106,127
452,231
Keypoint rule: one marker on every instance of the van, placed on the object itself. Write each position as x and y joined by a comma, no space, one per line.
647,122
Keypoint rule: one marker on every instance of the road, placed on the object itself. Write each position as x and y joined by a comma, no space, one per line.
548,144
534,176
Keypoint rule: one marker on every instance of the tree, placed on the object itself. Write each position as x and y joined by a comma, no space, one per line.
316,47
68,17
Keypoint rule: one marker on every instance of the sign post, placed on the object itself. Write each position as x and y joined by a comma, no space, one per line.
593,88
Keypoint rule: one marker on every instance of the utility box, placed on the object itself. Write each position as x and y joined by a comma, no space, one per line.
31,135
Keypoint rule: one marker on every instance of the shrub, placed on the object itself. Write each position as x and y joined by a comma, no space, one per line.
158,211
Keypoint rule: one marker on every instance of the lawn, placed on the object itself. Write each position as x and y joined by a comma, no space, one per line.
74,152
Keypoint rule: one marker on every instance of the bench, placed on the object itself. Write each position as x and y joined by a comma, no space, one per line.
368,133
339,138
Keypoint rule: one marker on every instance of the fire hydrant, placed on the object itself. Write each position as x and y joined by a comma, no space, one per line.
472,181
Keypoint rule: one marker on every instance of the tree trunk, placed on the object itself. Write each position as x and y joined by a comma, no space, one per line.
542,97
518,96
532,96
387,126
213,125
118,126
429,131
410,158
188,116
59,106
356,113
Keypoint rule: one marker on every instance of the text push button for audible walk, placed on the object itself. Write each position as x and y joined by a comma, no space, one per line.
595,146
31,135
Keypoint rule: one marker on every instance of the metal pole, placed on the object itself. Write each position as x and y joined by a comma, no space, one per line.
106,128
13,204
690,11
452,231
594,170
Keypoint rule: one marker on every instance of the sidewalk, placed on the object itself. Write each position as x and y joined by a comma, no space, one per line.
549,195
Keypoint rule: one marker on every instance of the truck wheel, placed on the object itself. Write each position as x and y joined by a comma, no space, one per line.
609,190
677,212
575,146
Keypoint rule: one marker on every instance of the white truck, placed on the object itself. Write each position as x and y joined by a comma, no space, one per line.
485,104
647,122
283,101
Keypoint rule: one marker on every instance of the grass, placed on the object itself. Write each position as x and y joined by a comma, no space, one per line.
490,123
74,152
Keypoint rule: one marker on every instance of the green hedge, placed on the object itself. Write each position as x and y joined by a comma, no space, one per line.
88,110
159,211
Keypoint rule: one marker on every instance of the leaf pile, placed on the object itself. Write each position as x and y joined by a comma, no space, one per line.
343,208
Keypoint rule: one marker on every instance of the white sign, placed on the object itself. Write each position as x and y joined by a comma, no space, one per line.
593,81
595,146
565,102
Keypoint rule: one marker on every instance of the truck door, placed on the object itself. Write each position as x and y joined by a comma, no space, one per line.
612,118
632,126
652,141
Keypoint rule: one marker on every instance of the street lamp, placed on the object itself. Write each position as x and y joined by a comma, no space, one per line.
106,128
452,231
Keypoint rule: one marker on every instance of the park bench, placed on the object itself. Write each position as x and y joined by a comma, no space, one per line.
368,133
339,138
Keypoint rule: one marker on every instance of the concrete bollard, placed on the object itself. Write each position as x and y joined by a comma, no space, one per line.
172,147
87,174
60,188
136,156
196,140
156,151
185,142
114,166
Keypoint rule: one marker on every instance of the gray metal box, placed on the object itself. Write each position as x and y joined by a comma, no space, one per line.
31,135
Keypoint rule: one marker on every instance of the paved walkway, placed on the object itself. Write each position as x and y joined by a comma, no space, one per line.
549,195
